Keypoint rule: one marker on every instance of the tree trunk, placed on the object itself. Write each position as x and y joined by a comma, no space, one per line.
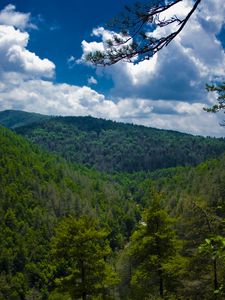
161,290
160,273
215,277
84,293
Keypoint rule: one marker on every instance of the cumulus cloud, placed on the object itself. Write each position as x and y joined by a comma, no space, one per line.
163,92
9,16
179,71
14,53
63,99
201,124
168,91
15,57
56,99
105,36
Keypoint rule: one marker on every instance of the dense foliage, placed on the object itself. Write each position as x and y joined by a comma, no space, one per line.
36,191
154,253
80,248
69,232
113,147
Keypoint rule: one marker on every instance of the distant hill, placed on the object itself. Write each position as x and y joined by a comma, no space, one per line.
31,178
110,146
38,177
17,118
116,147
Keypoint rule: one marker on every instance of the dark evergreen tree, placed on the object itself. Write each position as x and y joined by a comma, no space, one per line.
154,253
80,250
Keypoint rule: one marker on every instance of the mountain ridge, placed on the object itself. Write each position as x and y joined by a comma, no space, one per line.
16,118
112,147
29,118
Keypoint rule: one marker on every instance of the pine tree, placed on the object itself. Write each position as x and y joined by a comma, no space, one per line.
80,249
153,250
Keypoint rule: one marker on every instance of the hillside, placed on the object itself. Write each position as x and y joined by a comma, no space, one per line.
37,190
195,198
27,172
115,147
16,118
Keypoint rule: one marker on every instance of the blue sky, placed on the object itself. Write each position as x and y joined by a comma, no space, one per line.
42,45
62,25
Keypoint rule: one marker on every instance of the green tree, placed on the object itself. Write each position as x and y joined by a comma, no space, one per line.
214,247
80,249
153,251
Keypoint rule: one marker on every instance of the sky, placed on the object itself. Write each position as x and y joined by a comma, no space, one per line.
42,66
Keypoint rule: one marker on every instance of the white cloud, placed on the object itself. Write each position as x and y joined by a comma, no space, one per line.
16,58
71,62
64,99
141,91
92,80
89,47
172,83
105,36
57,99
202,124
9,16
179,71
141,73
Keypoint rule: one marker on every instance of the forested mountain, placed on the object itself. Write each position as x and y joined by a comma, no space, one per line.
71,232
17,118
40,192
115,147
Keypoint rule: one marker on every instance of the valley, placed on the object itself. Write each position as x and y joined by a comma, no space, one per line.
59,173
